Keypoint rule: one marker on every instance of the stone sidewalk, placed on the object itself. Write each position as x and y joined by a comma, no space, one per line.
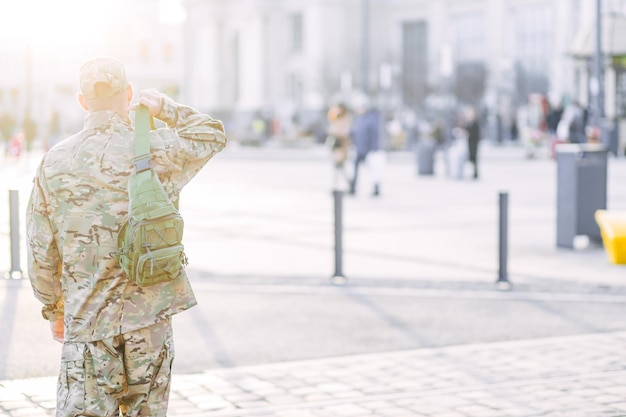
583,375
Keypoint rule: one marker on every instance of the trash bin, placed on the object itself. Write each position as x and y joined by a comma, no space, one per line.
581,190
426,148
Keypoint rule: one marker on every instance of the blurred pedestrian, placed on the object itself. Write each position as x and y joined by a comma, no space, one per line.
16,144
554,117
29,127
117,337
54,130
260,128
366,137
338,139
571,127
514,128
472,126
7,125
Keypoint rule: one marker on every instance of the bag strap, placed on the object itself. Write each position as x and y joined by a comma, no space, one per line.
143,122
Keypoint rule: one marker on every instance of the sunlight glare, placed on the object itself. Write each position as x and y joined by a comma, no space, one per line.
55,24
171,11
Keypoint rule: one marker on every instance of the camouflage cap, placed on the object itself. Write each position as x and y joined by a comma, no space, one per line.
102,77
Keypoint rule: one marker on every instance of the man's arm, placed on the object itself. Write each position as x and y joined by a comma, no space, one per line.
189,123
192,138
44,262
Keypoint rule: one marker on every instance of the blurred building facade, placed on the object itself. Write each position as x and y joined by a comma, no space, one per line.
284,61
40,77
290,58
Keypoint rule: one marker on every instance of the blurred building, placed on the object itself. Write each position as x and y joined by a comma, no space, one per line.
281,59
42,53
290,58
279,63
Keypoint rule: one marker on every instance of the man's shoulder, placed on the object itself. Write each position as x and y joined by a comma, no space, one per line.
75,148
62,150
69,141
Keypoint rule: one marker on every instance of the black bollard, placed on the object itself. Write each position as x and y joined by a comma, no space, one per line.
16,272
503,244
338,277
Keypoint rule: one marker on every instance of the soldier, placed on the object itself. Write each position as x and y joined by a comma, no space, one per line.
117,338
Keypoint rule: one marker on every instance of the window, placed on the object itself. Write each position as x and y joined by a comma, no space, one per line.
297,33
621,93
470,52
295,88
236,70
534,39
414,62
469,36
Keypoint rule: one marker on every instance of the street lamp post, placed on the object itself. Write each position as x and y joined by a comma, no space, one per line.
28,91
597,86
365,44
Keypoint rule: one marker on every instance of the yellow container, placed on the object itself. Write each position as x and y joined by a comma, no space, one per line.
613,230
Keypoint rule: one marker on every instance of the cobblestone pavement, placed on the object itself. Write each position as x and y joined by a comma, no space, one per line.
571,376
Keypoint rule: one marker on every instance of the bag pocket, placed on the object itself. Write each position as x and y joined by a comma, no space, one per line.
160,265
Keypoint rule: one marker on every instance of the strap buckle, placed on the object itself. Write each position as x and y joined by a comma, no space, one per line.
142,163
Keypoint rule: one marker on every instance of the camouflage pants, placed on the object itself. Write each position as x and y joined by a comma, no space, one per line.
127,374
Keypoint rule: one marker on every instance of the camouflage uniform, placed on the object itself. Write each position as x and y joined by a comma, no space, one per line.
129,372
78,205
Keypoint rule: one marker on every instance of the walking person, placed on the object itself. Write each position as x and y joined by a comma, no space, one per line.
7,125
339,125
472,126
29,127
54,131
366,136
117,337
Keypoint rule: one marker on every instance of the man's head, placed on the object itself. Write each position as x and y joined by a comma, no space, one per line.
104,86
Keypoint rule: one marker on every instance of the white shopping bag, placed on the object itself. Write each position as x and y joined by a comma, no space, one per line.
376,160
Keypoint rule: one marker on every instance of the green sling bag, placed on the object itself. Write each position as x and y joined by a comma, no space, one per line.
150,248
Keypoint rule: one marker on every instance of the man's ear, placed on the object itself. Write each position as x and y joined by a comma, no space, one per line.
129,93
82,102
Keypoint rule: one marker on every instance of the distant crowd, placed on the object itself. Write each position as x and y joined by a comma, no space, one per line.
18,135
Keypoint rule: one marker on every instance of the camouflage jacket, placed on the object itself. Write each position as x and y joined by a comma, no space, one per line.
78,205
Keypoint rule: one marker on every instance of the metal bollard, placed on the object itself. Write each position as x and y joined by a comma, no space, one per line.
338,277
16,271
503,244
